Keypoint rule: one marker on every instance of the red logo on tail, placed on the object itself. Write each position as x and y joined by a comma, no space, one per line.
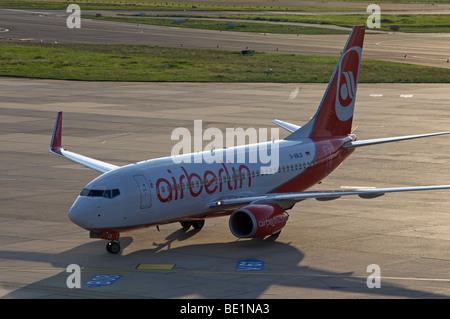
346,86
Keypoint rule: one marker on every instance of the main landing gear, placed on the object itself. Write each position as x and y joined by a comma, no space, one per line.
196,224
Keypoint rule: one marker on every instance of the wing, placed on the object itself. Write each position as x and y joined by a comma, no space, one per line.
57,149
289,199
355,144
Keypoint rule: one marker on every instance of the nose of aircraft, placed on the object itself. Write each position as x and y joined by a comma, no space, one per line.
81,214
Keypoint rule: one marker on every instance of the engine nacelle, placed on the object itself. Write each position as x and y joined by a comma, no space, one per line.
257,220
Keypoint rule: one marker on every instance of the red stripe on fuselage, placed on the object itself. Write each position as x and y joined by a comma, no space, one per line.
329,155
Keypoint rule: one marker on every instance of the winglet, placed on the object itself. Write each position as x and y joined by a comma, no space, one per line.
56,143
57,149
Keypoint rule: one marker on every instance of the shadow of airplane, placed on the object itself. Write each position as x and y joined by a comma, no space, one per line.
203,271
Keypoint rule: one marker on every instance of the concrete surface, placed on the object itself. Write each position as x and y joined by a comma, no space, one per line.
324,250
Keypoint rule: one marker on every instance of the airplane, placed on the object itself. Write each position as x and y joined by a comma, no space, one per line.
256,197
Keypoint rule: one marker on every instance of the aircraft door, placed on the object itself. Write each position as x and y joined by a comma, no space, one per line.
144,189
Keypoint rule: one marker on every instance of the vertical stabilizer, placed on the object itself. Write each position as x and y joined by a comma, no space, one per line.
335,113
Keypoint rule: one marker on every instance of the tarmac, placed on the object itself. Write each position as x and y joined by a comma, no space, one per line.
323,252
327,249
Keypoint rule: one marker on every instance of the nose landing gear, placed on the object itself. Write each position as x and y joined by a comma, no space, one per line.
113,247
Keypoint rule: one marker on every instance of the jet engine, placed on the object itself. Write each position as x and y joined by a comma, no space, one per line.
257,220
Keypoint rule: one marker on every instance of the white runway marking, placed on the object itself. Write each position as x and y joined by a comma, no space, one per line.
294,93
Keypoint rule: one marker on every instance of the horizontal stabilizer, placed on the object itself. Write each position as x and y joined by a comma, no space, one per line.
287,126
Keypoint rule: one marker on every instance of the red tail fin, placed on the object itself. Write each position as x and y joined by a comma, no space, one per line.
335,114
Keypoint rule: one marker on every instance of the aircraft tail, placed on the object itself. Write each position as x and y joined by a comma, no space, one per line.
335,113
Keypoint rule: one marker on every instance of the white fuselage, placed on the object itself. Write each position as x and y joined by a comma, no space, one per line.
169,189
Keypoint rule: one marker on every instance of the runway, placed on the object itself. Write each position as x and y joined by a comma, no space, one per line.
323,252
50,27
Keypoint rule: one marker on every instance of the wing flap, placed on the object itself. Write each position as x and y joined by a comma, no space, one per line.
57,149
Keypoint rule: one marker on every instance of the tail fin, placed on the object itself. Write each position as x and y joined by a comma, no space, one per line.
335,114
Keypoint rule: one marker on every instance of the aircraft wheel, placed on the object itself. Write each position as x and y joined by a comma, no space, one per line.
186,225
113,247
275,235
198,224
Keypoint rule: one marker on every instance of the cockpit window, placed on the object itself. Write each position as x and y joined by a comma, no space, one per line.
115,192
109,193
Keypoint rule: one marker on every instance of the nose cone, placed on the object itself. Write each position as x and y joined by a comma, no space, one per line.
81,213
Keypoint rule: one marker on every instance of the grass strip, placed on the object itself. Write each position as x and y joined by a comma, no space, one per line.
92,62
241,26
407,23
163,5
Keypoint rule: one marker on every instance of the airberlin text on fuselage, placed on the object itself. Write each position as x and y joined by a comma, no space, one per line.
210,182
